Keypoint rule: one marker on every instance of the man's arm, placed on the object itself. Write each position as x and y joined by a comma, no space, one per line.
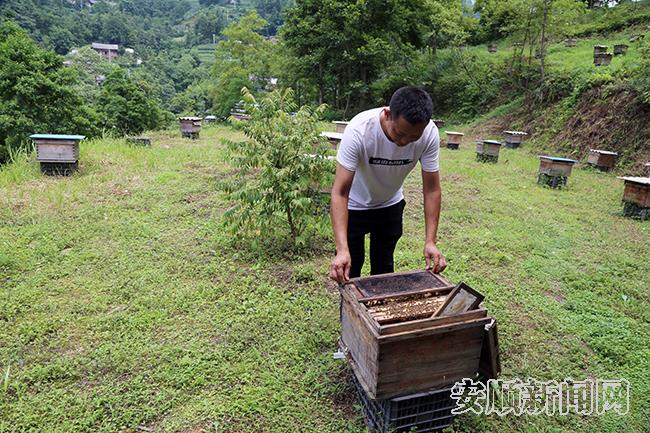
340,267
432,198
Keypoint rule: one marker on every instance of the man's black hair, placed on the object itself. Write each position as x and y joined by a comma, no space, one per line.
412,103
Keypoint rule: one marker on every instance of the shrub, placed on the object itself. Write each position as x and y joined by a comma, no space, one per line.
127,107
280,170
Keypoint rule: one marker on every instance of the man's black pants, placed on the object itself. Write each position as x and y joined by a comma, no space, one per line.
385,228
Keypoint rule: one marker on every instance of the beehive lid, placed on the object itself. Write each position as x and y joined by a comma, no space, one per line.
340,122
194,119
639,180
600,46
57,137
332,135
603,152
557,159
516,132
498,143
454,133
398,282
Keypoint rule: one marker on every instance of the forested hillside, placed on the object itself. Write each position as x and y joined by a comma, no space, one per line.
193,57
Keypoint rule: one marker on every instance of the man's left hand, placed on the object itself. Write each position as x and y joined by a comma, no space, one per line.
434,258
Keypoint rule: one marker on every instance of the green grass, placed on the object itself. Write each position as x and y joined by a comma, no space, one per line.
123,305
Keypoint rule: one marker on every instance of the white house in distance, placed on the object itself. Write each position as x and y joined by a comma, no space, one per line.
83,3
108,51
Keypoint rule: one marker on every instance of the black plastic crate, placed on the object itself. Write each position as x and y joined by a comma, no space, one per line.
552,181
59,168
426,412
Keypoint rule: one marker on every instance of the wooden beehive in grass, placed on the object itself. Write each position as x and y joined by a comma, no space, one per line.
603,160
600,49
488,150
57,154
454,139
242,117
340,126
636,197
570,42
513,139
604,59
554,171
397,345
333,137
439,122
139,140
620,49
190,127
492,48
601,56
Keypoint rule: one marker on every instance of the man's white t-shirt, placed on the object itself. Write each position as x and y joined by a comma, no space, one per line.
380,165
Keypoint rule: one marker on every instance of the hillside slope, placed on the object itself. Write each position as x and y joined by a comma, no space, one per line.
124,307
588,106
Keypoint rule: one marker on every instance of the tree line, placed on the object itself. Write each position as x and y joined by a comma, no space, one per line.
350,55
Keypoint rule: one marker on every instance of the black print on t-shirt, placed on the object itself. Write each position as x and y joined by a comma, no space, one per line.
384,161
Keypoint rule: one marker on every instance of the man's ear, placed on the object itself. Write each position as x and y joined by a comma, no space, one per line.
386,113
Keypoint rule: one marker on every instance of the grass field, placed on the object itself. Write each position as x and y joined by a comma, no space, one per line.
123,306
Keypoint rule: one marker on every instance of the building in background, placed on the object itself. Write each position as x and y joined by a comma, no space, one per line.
108,51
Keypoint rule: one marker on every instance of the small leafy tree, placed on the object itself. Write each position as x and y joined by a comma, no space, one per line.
88,65
242,60
280,170
36,93
126,106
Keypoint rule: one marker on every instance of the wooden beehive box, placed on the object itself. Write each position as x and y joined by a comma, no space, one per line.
439,122
57,148
620,49
602,159
603,59
454,137
340,126
637,191
139,141
513,139
190,126
394,345
488,147
554,166
333,137
243,117
600,49
492,48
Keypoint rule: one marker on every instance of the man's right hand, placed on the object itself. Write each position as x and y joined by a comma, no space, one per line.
340,267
